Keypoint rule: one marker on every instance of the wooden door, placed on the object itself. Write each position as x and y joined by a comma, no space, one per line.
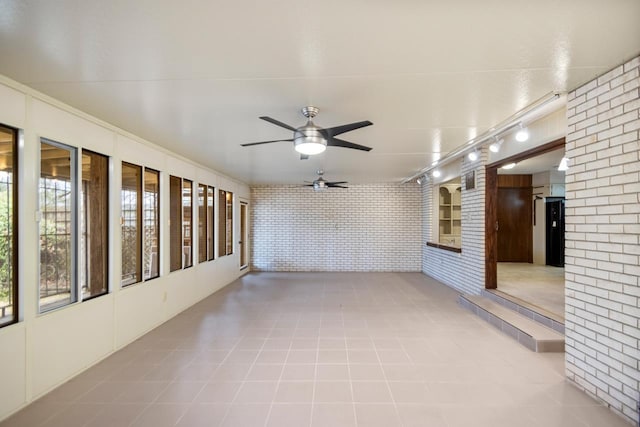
515,228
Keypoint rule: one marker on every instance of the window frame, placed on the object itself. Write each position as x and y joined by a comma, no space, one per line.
74,294
225,218
16,135
139,222
157,221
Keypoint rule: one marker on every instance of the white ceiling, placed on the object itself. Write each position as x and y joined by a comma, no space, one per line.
194,75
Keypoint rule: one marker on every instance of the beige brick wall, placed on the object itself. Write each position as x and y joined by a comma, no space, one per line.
603,238
363,228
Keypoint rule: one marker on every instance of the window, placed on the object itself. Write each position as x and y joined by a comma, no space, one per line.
449,213
140,223
187,222
210,223
202,223
94,247
175,223
180,223
205,223
57,207
225,223
131,219
8,225
151,217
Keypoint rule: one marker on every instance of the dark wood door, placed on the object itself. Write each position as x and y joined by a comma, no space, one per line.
515,228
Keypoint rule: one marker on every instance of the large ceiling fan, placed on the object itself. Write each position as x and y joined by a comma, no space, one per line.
320,184
311,139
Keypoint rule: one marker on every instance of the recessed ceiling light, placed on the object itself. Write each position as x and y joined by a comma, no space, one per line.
564,164
509,166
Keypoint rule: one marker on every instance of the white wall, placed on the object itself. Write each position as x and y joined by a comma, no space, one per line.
362,228
603,238
44,350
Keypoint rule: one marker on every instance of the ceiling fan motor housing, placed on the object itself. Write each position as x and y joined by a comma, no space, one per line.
309,140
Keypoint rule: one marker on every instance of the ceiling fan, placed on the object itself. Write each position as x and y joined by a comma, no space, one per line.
320,184
311,139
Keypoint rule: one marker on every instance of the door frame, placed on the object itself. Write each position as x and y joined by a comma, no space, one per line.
243,243
491,207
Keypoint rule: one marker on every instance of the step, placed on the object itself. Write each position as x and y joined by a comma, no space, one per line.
533,312
527,332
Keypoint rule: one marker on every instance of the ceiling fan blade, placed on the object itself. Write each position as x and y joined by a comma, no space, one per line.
337,130
304,156
337,186
278,123
264,142
335,142
337,182
308,185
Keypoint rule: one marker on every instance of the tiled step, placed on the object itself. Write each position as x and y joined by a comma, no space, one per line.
533,312
532,335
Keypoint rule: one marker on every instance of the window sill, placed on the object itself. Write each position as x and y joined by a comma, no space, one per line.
445,247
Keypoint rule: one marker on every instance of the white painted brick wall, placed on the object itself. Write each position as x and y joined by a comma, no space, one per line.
603,238
463,271
363,228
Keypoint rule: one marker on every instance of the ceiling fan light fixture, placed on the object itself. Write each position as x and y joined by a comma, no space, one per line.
310,148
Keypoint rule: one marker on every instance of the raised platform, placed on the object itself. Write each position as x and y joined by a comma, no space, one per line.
526,331
533,312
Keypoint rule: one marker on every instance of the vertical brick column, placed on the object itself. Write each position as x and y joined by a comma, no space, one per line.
603,238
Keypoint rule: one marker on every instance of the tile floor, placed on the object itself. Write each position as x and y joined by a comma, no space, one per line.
540,285
322,349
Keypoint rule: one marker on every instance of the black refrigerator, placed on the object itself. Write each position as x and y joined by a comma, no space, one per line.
555,231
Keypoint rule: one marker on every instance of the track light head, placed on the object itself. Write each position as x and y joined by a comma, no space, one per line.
523,134
473,155
436,173
495,145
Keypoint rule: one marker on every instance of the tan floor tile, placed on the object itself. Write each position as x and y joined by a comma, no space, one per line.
180,392
333,372
161,415
332,356
256,392
302,356
141,392
333,415
272,356
117,414
290,415
294,392
414,415
246,415
332,392
218,392
298,372
366,372
203,415
376,415
371,392
265,372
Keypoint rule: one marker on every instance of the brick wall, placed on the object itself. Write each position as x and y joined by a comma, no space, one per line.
464,271
602,238
363,228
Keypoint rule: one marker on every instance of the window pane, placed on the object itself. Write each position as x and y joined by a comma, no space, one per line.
94,224
175,223
202,223
57,196
131,231
210,226
151,223
229,228
225,223
8,269
187,222
222,223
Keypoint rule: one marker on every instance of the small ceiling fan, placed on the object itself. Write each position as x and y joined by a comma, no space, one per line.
320,184
311,139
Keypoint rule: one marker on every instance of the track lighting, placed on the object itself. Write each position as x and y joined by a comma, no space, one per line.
473,155
419,181
564,164
495,145
436,173
523,134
